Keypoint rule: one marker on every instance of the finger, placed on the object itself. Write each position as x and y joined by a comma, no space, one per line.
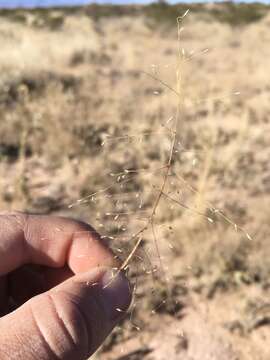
68,322
50,241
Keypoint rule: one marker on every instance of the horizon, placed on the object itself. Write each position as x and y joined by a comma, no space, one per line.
11,4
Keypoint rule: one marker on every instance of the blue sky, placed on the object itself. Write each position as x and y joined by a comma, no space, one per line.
34,3
31,3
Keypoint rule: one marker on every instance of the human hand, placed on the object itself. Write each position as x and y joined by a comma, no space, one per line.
54,273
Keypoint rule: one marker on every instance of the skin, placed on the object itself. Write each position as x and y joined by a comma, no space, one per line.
59,298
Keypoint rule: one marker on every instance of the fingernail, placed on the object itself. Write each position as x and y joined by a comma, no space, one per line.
115,294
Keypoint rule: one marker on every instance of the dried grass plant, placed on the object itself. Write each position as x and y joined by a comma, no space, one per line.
166,188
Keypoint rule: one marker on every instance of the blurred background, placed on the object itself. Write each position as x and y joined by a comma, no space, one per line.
88,106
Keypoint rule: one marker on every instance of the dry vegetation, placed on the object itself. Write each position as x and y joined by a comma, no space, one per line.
82,119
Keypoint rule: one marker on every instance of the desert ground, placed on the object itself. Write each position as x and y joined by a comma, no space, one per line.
118,117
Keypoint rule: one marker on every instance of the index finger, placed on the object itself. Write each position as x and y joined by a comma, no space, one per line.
51,241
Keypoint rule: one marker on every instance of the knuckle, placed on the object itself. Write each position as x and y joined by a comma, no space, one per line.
71,321
84,316
41,337
19,219
58,327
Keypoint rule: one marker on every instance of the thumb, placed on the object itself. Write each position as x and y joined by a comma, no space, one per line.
68,322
